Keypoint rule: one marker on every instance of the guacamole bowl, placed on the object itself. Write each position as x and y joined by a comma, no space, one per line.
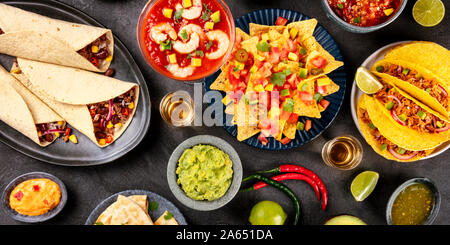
223,153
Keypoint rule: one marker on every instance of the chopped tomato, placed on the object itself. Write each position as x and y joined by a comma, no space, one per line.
281,21
321,89
319,62
305,96
125,111
292,80
308,125
109,139
324,103
285,115
92,112
231,77
285,140
291,45
263,139
284,54
19,195
293,118
36,187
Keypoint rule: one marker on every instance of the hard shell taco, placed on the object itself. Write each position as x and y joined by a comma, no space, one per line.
417,81
96,105
26,113
379,142
28,35
432,56
405,120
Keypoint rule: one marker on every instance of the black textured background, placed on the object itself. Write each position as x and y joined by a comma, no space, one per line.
145,166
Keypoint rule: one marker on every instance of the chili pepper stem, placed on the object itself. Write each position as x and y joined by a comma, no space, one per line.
247,189
275,170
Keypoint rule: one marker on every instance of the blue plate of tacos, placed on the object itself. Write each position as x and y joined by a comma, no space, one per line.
284,82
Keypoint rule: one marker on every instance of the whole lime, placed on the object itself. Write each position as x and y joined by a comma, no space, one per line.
267,213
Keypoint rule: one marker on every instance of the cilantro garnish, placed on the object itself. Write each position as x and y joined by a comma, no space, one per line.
153,206
357,20
278,78
167,45
205,15
178,14
208,45
184,34
199,53
168,216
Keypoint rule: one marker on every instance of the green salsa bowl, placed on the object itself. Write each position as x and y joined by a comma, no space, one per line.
208,189
432,191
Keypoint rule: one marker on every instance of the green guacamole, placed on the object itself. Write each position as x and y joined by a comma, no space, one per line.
204,172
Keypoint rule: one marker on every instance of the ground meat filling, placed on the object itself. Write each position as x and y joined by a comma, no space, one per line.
47,132
108,121
97,52
413,77
1,31
385,142
412,115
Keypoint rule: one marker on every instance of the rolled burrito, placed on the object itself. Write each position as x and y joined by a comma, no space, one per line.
26,113
36,37
98,106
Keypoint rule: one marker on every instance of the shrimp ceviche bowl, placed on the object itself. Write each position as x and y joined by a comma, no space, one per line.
186,40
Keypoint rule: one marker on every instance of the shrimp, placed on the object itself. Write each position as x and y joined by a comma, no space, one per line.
223,44
192,12
194,33
178,71
159,32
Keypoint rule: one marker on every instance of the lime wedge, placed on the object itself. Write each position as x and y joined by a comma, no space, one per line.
363,184
366,81
428,12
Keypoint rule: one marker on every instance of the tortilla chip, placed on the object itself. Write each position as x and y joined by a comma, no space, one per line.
222,82
305,27
243,34
302,108
250,45
289,130
256,29
163,221
330,88
246,119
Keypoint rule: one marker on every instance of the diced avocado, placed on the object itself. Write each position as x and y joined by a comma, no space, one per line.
215,17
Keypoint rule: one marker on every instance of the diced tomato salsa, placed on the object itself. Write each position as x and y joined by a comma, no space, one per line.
165,11
364,12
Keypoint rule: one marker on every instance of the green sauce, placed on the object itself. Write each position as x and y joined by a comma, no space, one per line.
204,172
413,205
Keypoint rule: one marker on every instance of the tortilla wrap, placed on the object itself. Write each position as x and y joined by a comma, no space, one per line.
370,139
124,211
416,92
432,56
404,136
23,110
36,37
68,91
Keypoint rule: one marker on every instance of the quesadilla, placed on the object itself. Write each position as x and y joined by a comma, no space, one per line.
124,211
26,113
28,35
98,106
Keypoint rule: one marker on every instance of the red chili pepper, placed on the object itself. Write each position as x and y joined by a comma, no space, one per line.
291,176
18,195
289,168
125,111
94,61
